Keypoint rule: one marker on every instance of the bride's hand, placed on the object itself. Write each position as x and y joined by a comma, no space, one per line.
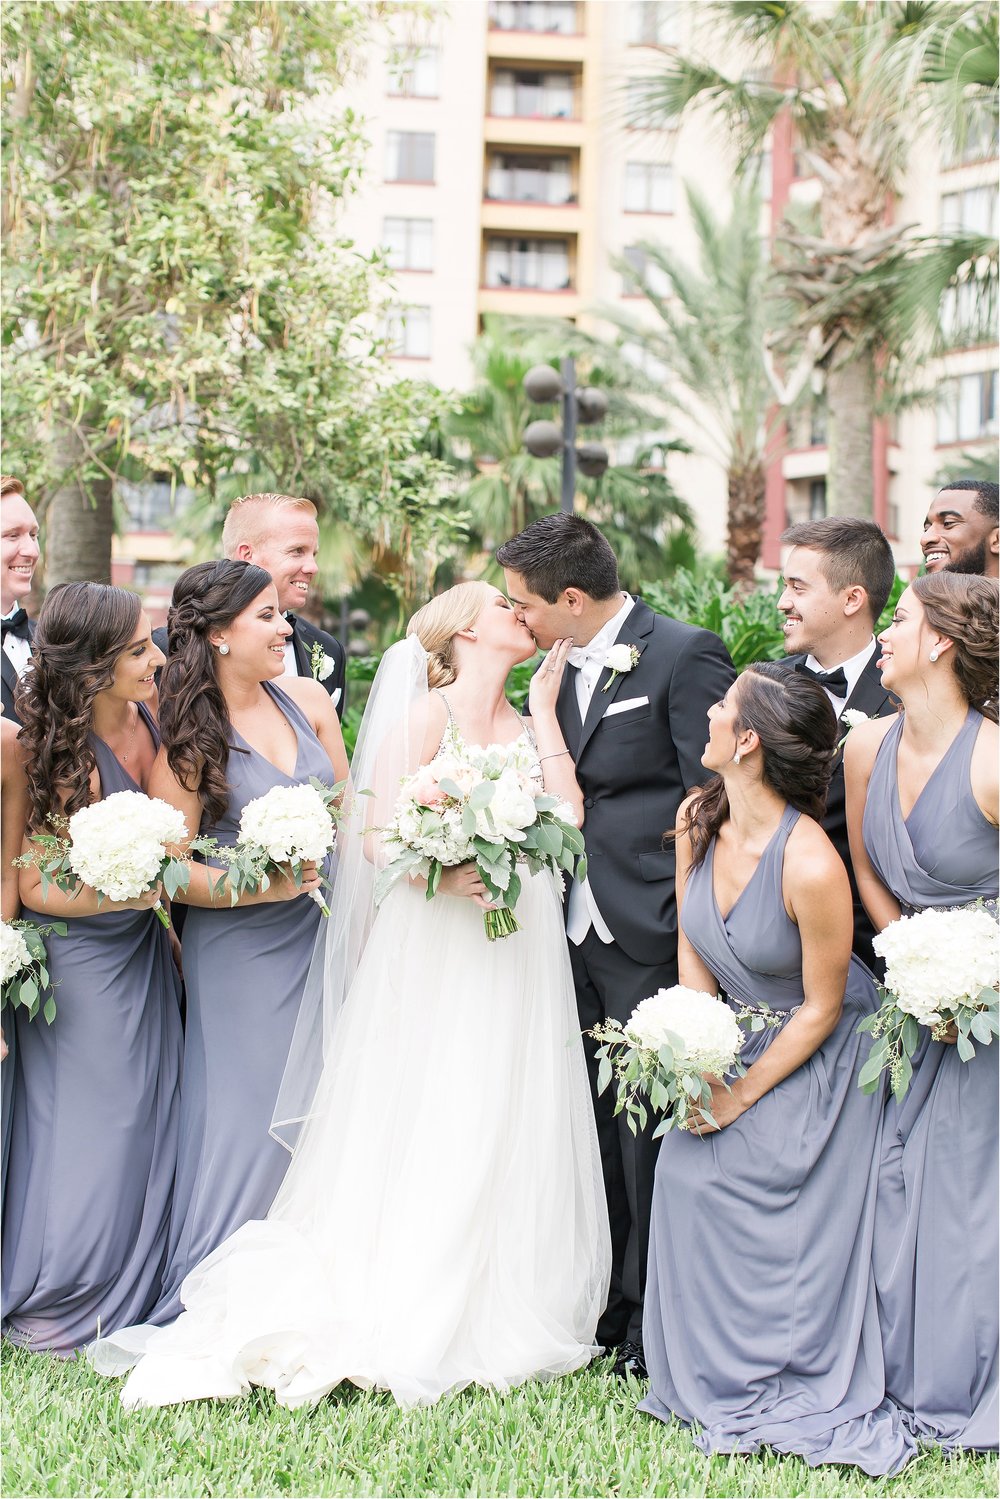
544,687
463,880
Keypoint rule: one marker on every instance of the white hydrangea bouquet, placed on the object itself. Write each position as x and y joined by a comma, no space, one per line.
117,846
24,965
483,807
279,832
668,1049
941,971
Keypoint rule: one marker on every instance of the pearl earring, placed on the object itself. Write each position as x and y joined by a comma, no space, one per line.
736,758
223,649
934,655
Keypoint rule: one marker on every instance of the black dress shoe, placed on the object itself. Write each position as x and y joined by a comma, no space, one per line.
629,1360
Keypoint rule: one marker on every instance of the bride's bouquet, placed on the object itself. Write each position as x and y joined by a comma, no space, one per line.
24,971
279,832
482,808
668,1049
118,846
941,971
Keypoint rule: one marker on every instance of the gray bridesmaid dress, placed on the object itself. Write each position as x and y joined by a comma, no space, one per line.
244,969
760,1319
936,1252
94,1137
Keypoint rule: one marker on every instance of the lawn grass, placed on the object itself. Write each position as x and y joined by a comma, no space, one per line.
64,1433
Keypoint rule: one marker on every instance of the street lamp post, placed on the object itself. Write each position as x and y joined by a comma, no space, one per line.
544,439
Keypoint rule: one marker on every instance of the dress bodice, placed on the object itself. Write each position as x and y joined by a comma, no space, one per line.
114,776
526,755
945,852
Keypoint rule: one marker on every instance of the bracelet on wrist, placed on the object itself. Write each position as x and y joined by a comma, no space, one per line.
554,755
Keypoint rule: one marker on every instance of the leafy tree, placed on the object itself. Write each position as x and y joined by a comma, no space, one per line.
176,299
855,79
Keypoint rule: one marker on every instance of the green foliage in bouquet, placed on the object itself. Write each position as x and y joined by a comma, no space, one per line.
50,854
897,1036
26,986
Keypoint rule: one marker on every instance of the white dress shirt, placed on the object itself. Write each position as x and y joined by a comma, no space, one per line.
291,664
583,911
852,670
15,648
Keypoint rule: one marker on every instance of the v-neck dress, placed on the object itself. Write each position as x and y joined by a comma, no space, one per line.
94,1139
760,1319
937,1255
245,969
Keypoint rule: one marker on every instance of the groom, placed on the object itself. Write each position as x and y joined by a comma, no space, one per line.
636,728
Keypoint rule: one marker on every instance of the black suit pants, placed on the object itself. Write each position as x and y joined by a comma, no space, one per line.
609,985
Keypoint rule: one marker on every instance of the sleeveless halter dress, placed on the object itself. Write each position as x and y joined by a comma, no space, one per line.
760,1317
94,1140
937,1257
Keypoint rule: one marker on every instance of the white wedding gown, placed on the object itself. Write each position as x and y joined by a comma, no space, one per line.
443,1221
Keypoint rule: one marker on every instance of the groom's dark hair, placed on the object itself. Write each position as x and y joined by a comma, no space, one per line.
562,551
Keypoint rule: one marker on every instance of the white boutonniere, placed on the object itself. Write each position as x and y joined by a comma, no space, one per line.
320,664
620,659
851,717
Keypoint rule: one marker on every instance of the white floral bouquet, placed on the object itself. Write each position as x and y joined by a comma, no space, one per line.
941,969
670,1047
24,970
482,807
279,832
117,846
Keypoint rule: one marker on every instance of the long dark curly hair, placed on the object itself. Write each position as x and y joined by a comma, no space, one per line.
195,729
966,608
82,630
797,729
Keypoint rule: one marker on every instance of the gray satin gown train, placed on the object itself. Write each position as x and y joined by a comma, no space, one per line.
244,970
94,1136
760,1322
937,1257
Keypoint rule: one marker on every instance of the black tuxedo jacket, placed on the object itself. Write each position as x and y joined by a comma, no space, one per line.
638,753
9,676
870,697
304,637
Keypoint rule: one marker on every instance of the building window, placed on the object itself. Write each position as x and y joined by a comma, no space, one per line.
415,74
967,408
409,332
160,576
980,141
969,314
646,274
535,264
409,156
649,187
652,23
817,423
520,95
817,499
409,244
530,179
973,211
534,15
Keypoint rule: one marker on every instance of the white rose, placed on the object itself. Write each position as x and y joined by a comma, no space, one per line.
619,658
510,812
852,717
325,668
14,954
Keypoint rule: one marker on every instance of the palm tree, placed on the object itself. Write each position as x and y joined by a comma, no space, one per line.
506,488
710,335
855,78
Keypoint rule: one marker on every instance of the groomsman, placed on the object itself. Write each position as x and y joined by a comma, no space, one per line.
633,707
19,554
962,531
838,577
279,533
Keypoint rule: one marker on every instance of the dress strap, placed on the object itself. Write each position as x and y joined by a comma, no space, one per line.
451,716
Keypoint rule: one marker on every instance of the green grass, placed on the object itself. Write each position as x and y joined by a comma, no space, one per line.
64,1433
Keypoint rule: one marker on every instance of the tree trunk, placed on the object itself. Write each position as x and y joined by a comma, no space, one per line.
79,521
850,397
745,522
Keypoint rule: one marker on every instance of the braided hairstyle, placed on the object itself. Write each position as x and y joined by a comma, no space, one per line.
965,608
797,728
194,718
81,632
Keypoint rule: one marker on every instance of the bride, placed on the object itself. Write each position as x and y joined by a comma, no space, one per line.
443,1221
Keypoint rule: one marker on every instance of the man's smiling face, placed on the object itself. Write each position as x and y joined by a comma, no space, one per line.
957,537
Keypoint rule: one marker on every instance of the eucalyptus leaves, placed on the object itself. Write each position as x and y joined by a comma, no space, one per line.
24,965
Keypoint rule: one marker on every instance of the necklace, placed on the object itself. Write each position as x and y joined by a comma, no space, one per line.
131,739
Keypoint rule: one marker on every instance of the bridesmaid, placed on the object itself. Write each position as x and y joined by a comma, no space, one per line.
230,734
760,1321
14,801
94,1135
922,810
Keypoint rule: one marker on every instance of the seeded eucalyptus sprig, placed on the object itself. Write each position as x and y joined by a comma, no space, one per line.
25,987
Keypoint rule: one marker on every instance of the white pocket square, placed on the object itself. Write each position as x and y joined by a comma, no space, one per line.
623,707
335,696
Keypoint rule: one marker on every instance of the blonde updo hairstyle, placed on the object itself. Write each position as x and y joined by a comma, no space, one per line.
439,621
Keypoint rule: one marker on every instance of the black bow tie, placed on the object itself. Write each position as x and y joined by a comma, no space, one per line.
290,618
834,681
16,623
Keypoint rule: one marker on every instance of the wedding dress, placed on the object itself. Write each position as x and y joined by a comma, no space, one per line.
443,1221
